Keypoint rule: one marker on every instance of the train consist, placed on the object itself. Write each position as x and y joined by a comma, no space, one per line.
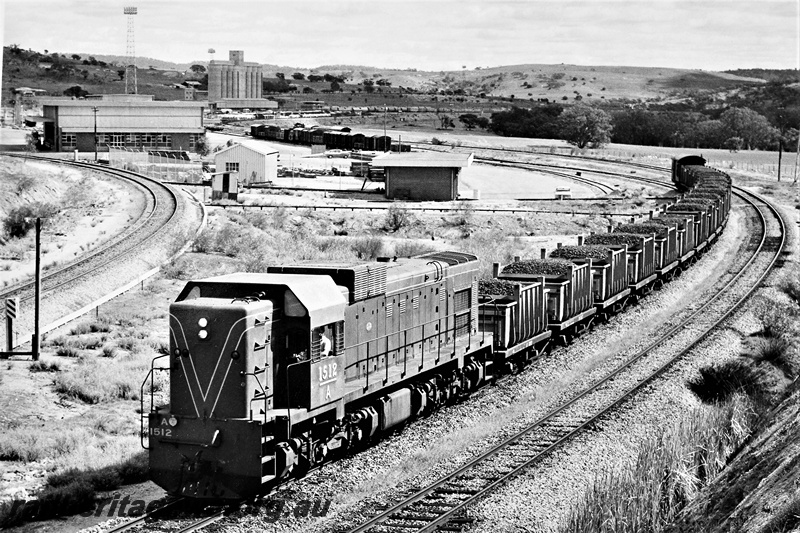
331,137
274,373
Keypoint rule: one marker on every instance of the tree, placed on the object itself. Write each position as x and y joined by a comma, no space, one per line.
313,78
540,122
754,130
280,75
201,145
335,86
298,76
75,91
76,57
446,121
197,69
583,125
469,120
121,74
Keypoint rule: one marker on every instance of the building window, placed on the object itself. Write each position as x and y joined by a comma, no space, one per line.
69,141
231,167
131,140
149,140
116,140
165,140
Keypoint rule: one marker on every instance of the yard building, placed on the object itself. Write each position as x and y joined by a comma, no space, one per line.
422,175
133,121
255,164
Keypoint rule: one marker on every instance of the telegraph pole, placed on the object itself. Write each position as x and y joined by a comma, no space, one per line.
94,110
37,339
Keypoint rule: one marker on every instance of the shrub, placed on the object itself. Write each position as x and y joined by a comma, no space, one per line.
776,319
109,351
21,220
67,351
791,286
463,216
95,380
368,248
45,365
397,217
719,382
775,351
412,248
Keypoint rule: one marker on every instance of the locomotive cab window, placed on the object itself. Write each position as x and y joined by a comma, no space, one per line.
326,341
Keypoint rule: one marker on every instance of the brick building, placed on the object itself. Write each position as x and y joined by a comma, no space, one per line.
422,175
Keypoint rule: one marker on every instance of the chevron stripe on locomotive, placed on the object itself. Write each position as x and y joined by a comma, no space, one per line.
272,374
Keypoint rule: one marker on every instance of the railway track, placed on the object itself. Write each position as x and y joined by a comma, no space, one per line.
150,520
443,503
162,209
564,156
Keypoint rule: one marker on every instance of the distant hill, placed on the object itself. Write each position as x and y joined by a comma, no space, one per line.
783,76
143,62
526,82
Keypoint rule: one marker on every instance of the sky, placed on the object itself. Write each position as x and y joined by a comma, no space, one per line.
426,35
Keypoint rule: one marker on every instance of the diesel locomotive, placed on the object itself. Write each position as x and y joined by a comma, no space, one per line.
271,374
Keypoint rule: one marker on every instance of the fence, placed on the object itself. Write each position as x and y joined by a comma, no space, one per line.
157,164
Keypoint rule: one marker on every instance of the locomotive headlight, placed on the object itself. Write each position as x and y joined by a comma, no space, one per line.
172,421
202,322
202,334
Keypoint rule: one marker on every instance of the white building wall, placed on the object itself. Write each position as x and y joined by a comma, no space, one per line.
254,167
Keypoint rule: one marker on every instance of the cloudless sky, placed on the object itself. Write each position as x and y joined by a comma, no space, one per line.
427,35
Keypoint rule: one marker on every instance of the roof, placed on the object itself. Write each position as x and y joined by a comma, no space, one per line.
59,102
423,159
263,150
320,296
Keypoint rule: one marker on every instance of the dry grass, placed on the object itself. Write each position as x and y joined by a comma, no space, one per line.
667,473
94,380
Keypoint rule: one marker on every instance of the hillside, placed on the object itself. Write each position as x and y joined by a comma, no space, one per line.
758,491
56,72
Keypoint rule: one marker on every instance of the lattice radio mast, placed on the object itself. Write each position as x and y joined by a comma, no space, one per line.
130,68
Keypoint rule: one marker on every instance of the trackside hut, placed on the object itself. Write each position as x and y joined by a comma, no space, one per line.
422,175
255,164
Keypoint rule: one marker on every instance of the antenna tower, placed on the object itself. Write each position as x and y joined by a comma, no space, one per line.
130,68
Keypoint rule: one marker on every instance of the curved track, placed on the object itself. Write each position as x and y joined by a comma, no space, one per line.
444,501
161,210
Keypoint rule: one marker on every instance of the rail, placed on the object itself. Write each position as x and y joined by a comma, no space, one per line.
438,512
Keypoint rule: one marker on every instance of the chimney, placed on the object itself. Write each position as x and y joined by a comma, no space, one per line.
544,253
495,270
580,240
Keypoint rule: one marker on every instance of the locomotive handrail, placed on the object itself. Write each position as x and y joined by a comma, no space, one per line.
150,375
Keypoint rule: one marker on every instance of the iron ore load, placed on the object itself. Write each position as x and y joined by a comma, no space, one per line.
272,374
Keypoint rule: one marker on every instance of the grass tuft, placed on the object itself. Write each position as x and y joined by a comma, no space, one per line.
45,365
668,471
718,383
